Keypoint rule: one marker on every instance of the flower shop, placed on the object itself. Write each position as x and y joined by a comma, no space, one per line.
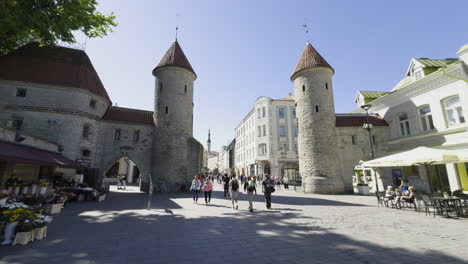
35,184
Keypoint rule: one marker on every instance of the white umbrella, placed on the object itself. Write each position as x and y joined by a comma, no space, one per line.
419,156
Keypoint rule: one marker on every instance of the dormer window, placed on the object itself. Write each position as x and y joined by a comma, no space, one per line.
418,74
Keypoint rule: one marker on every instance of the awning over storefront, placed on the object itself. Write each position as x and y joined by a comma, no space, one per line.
420,156
29,155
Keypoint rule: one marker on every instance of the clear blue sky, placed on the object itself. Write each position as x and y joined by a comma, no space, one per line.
243,49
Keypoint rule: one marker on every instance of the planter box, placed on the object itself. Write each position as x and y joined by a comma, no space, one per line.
53,208
23,238
101,197
25,189
42,190
40,233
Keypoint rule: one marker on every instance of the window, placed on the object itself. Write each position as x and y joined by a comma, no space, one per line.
264,130
453,111
185,88
425,118
86,152
263,112
284,147
17,124
294,112
326,86
117,134
160,86
136,135
282,131
259,131
295,148
92,103
20,92
86,130
316,108
418,74
281,112
303,88
258,113
403,124
353,139
262,149
167,110
373,140
296,131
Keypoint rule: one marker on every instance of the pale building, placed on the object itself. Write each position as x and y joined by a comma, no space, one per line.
428,107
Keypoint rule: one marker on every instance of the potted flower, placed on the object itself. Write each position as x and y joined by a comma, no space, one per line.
43,187
4,195
15,218
34,188
40,227
53,205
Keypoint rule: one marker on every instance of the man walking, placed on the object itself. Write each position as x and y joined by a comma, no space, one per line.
226,185
234,189
249,186
268,188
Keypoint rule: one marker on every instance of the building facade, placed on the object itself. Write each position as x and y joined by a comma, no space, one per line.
55,94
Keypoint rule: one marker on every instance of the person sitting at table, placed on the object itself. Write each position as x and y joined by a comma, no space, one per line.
404,186
389,195
409,198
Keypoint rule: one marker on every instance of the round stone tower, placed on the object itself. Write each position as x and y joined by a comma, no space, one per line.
317,141
173,119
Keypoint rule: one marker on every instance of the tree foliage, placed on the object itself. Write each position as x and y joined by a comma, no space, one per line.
49,21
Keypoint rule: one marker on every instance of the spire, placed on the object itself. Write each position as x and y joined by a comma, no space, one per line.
209,141
174,57
310,58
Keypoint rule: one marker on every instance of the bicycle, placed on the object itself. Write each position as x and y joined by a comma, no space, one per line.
160,186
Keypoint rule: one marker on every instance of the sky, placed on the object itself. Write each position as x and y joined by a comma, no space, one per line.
243,49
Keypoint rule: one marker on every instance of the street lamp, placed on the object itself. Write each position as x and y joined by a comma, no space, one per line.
368,126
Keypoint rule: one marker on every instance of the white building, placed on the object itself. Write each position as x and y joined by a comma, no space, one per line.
428,107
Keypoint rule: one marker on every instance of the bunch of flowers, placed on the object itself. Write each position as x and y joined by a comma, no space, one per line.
42,221
18,215
4,194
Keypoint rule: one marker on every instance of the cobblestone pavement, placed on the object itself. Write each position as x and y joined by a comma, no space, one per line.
298,229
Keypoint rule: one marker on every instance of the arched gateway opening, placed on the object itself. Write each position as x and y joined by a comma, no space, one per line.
124,173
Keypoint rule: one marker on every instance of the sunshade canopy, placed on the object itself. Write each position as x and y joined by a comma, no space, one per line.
29,155
420,156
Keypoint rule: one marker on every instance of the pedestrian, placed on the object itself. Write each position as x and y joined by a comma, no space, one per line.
278,182
254,178
286,182
234,190
268,188
208,188
124,181
249,186
195,189
226,185
119,182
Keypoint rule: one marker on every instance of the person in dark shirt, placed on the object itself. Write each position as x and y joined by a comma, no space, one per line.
226,180
268,188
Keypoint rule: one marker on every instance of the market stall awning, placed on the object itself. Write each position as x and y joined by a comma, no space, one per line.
420,156
29,155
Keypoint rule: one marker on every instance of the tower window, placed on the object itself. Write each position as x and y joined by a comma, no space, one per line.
303,88
92,103
117,134
167,110
20,92
136,135
326,86
185,88
316,108
353,140
86,131
160,86
86,152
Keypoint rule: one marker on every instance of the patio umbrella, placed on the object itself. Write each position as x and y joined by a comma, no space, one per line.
420,156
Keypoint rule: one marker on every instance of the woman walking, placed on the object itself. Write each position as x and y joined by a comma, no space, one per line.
195,189
208,188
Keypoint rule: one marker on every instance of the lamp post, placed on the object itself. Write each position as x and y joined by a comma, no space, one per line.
368,126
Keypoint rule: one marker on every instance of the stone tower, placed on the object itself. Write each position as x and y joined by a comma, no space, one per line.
208,143
317,141
174,157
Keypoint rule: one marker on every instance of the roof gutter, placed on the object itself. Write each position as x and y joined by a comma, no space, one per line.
452,76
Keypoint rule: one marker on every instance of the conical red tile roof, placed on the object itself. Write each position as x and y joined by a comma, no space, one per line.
310,58
175,57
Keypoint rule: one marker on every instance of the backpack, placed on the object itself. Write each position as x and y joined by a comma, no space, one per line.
251,186
235,185
269,187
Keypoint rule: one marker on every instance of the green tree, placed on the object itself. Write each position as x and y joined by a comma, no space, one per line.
49,21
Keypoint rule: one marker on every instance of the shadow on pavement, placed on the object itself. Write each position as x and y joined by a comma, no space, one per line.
114,231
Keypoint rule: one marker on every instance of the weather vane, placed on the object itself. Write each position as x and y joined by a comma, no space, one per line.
177,26
305,27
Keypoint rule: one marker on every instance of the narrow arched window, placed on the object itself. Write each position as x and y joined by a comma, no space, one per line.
326,86
316,108
167,110
303,88
185,88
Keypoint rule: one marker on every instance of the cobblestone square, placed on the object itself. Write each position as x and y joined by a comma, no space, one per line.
298,229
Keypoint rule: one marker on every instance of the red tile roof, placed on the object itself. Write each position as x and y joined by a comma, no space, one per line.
175,57
121,114
310,58
52,65
29,155
349,120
